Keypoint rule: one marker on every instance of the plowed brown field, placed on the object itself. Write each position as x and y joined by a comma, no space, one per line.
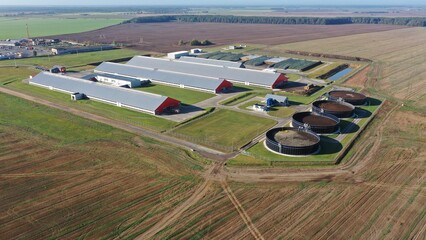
163,37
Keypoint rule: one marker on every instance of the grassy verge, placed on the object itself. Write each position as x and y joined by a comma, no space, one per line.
238,99
186,96
224,130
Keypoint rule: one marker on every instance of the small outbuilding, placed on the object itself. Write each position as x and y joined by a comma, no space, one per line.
77,96
196,50
177,55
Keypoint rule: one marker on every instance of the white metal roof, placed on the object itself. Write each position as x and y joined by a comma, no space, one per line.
133,98
211,62
169,77
118,77
229,73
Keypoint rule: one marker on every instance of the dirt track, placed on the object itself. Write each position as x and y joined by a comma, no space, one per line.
163,37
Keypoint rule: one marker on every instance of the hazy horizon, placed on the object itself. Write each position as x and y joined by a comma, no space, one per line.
216,3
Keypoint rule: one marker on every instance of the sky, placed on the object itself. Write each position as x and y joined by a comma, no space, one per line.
209,2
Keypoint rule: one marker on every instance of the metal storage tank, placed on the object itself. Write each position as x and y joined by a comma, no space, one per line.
292,141
318,123
339,109
351,97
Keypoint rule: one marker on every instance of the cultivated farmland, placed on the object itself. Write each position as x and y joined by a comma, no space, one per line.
63,176
399,55
164,37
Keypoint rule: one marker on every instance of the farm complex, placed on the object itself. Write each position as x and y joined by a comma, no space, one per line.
251,128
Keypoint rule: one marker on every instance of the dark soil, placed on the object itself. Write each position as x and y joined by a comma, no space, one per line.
347,95
334,106
295,138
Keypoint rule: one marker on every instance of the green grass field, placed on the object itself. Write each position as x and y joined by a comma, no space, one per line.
248,105
292,77
15,27
224,129
281,111
238,98
61,126
74,60
186,96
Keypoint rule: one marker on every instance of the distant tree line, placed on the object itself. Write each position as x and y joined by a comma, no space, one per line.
195,42
405,21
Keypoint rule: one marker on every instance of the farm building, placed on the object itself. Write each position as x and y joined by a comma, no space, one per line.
238,75
256,61
215,62
120,81
276,100
10,43
121,97
226,56
72,50
176,55
196,50
200,83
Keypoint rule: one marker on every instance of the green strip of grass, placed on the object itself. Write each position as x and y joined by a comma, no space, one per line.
238,99
224,130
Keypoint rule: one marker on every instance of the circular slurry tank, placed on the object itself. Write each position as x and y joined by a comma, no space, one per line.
318,123
292,141
353,98
337,108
